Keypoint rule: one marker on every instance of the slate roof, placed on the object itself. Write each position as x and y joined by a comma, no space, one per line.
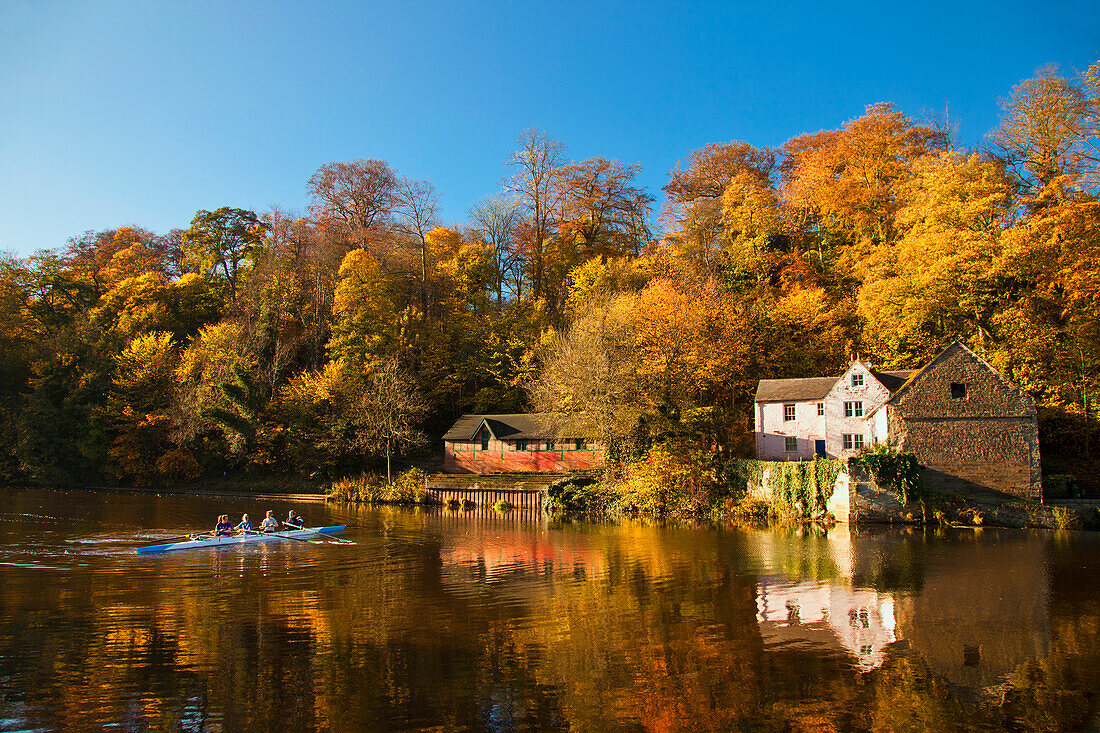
815,388
505,427
779,390
893,380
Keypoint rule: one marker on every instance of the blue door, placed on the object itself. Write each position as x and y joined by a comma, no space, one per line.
819,448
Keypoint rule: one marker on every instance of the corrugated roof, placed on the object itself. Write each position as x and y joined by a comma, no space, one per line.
779,390
505,427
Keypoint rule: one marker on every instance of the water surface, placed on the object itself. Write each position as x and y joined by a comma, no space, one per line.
467,621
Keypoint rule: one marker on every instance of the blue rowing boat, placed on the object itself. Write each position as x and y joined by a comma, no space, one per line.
198,541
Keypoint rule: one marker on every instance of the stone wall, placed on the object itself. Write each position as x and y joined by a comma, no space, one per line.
857,499
985,441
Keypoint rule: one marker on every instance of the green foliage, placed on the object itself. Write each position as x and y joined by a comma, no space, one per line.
803,486
503,505
897,472
578,495
245,400
798,487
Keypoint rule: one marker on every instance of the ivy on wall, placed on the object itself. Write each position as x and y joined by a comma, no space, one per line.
897,472
799,486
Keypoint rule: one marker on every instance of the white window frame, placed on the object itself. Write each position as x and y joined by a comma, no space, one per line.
790,444
853,408
857,380
820,409
793,413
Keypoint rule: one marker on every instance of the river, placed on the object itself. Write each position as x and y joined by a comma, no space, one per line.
440,620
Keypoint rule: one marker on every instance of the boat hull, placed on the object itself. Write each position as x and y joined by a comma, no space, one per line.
244,539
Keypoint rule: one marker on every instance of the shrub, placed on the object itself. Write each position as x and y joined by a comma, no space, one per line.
467,504
503,505
371,489
897,472
579,495
669,481
1064,517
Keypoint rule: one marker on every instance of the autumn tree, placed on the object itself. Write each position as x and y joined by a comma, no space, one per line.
137,406
393,409
357,198
722,195
936,282
842,185
224,240
1050,131
417,213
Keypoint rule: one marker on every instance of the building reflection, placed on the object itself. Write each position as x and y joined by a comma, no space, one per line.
970,621
860,621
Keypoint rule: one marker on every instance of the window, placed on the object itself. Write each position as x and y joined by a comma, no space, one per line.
484,440
958,391
549,445
579,444
820,409
788,413
857,380
521,445
853,409
853,442
791,444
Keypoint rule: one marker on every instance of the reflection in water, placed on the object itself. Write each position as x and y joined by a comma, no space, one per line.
481,621
860,621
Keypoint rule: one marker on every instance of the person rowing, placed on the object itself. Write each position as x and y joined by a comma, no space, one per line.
294,520
223,528
270,523
245,525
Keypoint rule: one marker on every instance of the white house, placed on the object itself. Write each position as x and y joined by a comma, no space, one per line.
821,416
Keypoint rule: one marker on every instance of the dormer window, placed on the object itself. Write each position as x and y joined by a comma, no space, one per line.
958,391
484,439
857,380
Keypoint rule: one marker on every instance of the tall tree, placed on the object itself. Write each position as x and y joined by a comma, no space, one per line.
494,219
536,184
355,197
417,213
1050,130
226,239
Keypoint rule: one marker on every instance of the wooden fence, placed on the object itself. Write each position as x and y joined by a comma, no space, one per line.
522,499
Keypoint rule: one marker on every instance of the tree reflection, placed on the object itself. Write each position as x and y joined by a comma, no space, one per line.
454,621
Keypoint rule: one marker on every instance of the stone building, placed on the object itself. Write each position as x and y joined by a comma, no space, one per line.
486,444
969,426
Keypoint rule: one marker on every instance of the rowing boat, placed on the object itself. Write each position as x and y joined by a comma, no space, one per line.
240,539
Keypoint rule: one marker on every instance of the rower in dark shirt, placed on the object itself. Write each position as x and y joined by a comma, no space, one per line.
294,520
223,528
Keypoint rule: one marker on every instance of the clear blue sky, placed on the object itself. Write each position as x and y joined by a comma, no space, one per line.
116,113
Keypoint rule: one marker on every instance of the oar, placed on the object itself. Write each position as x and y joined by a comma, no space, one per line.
281,536
333,540
185,537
